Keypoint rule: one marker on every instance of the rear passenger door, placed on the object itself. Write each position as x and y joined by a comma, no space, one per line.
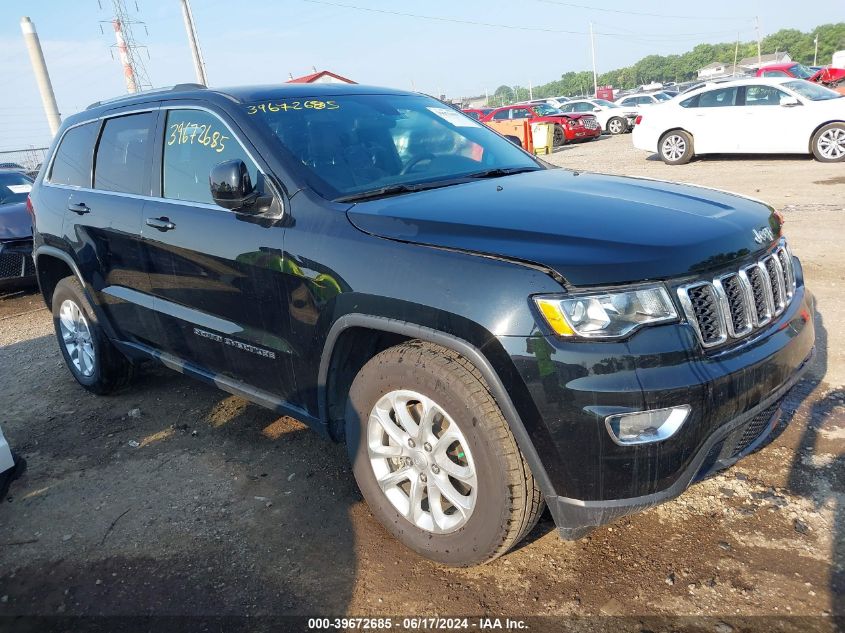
102,219
217,275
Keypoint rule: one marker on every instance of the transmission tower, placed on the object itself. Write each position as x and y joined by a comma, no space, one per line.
128,49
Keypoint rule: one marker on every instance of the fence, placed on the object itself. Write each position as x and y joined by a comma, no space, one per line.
30,159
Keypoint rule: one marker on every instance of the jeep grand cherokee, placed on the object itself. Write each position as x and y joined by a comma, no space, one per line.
486,334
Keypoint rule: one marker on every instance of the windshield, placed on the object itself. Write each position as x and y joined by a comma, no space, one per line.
14,187
605,104
799,70
544,109
811,91
662,96
352,144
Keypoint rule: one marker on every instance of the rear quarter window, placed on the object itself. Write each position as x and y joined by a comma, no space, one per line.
74,156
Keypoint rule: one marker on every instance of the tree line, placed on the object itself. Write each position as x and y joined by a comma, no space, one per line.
678,68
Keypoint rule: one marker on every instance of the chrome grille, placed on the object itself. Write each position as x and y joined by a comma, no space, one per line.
735,304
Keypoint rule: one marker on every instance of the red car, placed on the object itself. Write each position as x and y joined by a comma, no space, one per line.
830,77
477,113
568,126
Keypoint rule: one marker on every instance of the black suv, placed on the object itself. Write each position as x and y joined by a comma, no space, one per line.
487,334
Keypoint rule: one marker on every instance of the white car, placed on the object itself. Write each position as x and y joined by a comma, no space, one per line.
614,119
749,116
638,101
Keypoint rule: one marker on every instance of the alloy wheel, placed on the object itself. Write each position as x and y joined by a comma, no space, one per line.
831,143
422,461
615,126
674,147
76,337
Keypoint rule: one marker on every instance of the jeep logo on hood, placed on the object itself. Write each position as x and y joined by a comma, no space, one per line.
763,235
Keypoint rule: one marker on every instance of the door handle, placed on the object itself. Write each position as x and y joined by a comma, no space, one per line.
81,208
162,224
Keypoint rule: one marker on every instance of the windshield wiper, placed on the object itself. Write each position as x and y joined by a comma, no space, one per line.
392,190
498,172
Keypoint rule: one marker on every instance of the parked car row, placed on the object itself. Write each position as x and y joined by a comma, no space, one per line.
759,115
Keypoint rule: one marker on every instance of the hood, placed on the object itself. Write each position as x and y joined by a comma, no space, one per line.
15,222
589,228
828,75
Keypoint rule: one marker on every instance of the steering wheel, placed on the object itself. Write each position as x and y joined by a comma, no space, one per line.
416,161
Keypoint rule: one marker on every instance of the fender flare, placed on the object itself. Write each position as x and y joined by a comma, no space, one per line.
58,254
465,349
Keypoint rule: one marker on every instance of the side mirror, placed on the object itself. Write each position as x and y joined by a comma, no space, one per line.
231,185
789,102
596,109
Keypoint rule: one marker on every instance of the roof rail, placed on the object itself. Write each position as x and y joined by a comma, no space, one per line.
176,88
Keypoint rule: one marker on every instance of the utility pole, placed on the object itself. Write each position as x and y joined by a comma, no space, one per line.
42,77
736,54
193,40
816,51
757,28
593,49
530,91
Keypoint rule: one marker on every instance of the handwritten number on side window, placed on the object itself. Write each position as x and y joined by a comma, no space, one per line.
183,133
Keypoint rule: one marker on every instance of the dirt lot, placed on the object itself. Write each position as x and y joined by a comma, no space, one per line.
173,498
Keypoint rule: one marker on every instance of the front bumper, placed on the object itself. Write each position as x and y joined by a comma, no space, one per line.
734,394
16,261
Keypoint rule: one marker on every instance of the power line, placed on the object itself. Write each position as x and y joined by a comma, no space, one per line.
535,29
644,14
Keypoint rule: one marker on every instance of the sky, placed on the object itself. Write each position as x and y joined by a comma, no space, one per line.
452,47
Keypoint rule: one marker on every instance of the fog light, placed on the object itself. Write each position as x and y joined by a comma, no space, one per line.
644,427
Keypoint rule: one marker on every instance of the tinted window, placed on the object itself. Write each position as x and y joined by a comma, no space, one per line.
520,113
14,187
123,154
692,102
72,165
194,142
502,114
568,107
474,115
763,96
644,100
717,98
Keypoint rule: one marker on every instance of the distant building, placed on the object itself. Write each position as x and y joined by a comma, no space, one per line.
322,77
717,70
475,102
752,63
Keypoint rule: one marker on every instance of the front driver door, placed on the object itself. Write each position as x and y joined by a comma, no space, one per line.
217,275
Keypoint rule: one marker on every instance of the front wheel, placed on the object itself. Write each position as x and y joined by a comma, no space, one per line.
829,143
434,457
616,125
675,148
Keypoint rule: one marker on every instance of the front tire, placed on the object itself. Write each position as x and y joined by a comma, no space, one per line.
434,457
675,148
89,355
617,125
828,143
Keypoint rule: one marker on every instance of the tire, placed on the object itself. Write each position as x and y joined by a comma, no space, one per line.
559,137
617,125
502,499
828,143
103,369
675,148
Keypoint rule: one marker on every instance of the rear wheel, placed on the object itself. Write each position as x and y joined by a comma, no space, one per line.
559,136
89,355
434,457
616,125
829,143
675,147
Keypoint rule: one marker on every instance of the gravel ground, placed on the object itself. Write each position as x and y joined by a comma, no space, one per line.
172,498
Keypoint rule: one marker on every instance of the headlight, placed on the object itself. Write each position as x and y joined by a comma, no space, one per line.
607,314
